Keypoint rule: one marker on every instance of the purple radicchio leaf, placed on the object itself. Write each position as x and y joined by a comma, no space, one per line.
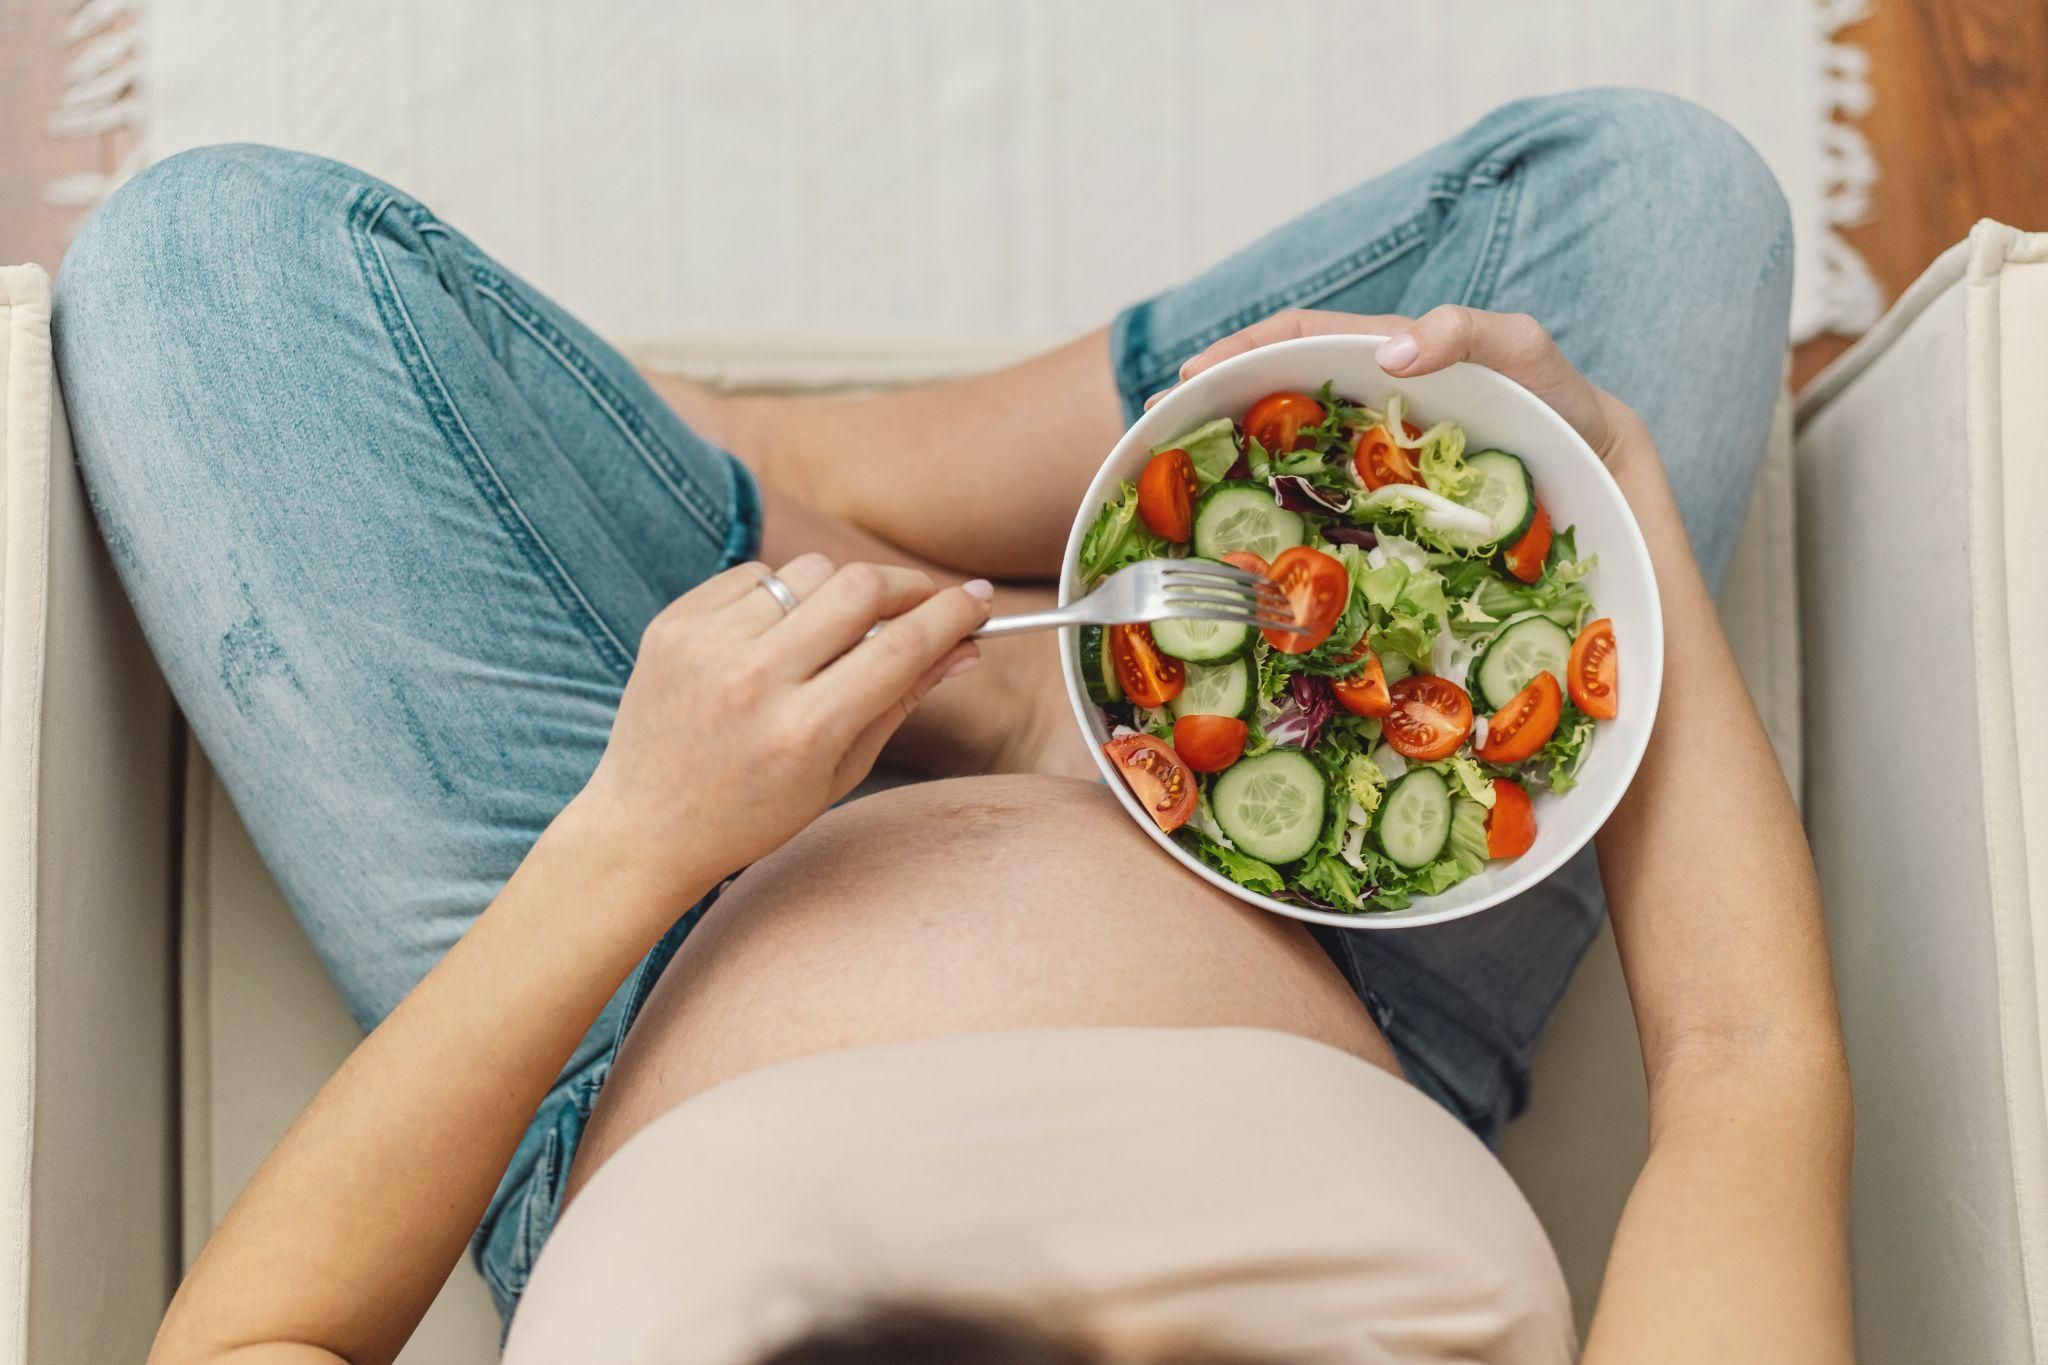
1305,711
1241,467
1297,494
1298,897
1361,536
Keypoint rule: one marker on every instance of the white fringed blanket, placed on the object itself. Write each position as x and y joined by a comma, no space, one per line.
834,175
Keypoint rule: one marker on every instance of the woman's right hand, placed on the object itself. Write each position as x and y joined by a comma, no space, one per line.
741,724
1513,343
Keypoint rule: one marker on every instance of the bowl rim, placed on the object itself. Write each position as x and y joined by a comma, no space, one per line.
1635,549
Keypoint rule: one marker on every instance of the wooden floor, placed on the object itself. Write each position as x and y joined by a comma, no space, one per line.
31,73
1959,128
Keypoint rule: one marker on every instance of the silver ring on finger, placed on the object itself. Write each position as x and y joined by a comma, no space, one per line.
779,590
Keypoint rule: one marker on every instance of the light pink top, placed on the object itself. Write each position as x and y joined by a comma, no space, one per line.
1252,1187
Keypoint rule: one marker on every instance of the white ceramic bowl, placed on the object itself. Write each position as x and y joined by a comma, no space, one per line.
1575,487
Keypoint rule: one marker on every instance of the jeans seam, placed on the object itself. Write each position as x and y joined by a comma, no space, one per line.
1493,249
369,206
570,357
1375,255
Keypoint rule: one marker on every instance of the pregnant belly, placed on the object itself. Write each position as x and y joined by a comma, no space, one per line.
961,907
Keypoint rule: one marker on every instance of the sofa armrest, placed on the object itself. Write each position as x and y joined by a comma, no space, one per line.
88,1215
1923,467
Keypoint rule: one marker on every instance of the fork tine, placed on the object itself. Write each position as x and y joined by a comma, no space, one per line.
1229,593
1220,575
1225,578
1227,597
1205,570
1178,596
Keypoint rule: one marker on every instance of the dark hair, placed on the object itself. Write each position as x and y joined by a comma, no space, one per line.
916,1334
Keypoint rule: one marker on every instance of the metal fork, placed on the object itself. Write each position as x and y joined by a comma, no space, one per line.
1163,590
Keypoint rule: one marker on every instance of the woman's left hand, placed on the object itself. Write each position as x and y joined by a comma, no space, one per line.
1513,343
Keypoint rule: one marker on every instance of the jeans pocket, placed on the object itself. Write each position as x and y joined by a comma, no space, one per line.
542,1201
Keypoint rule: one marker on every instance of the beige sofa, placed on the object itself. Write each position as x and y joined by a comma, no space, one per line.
162,1019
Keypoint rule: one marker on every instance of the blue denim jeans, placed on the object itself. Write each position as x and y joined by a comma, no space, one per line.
393,522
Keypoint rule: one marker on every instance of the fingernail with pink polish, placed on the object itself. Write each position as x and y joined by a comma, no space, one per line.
959,666
1397,353
980,587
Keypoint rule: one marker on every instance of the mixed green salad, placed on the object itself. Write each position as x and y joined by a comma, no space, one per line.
1441,666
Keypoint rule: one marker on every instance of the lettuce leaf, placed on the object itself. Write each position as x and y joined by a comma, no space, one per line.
1329,878
1558,762
1467,778
1241,868
1256,457
1409,609
1467,847
1211,447
1442,463
1470,613
1423,508
1118,538
1364,781
1341,417
1559,593
1382,586
1463,577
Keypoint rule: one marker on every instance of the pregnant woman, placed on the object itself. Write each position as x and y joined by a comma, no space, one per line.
478,630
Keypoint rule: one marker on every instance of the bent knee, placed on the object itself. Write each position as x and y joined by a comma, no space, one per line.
198,237
1675,171
200,283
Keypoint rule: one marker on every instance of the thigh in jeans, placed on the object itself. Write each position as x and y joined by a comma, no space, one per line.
1654,244
393,524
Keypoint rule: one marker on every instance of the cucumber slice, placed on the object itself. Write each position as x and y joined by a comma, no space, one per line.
1502,490
1223,689
1272,806
1243,516
1098,669
1415,818
1525,646
1202,641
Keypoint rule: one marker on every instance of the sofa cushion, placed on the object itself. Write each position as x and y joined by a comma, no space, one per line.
1924,489
87,1168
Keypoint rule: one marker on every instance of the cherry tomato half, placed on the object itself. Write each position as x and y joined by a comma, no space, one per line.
1525,724
1149,677
1209,744
1381,462
1166,495
1364,693
1590,674
1276,420
1525,557
1158,778
1318,588
1249,562
1429,717
1511,824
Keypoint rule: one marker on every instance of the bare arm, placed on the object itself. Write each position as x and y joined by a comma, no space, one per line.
737,727
1737,1224
1733,1245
